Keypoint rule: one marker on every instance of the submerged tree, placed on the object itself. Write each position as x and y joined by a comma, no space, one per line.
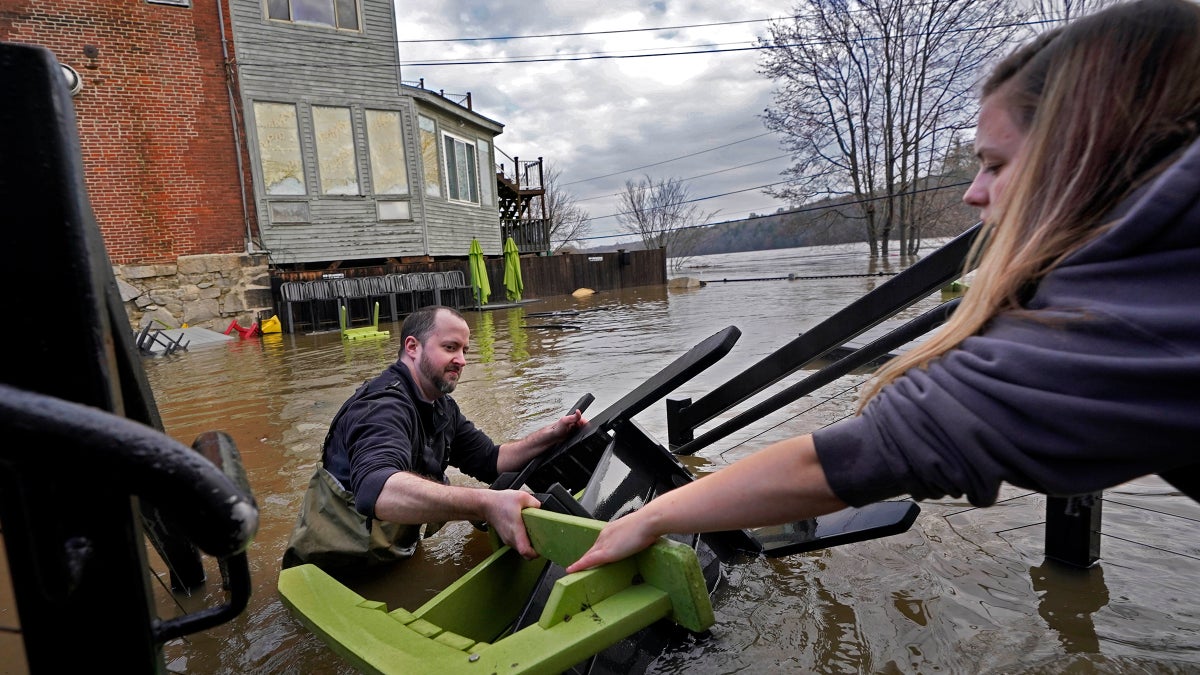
871,94
568,221
662,214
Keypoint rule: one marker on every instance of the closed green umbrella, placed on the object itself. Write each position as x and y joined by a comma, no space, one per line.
479,279
512,271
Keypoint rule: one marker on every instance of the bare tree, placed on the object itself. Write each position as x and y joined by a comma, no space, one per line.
568,222
1065,10
871,94
663,215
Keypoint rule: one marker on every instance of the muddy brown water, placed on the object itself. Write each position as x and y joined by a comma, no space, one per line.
964,591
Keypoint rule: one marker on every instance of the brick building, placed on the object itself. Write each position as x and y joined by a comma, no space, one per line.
160,149
228,144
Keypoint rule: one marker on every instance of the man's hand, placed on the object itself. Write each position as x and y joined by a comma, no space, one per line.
514,455
564,427
503,514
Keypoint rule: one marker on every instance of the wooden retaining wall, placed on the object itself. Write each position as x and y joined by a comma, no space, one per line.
544,276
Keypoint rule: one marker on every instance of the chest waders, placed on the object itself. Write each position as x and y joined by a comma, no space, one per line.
330,533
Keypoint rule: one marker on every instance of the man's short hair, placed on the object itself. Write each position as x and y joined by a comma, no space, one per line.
420,323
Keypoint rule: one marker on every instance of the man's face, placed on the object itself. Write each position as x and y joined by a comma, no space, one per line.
443,356
997,141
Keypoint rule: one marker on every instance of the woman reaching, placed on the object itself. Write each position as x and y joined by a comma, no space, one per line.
1073,361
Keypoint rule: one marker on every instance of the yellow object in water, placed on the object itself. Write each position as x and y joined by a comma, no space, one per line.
270,325
582,292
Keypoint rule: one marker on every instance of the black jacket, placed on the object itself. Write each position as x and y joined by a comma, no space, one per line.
377,430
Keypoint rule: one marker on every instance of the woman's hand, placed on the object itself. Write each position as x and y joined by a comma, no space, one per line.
618,540
781,483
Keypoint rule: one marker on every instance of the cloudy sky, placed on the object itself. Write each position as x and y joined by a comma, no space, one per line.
601,121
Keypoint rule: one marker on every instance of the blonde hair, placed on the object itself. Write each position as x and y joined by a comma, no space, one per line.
1108,102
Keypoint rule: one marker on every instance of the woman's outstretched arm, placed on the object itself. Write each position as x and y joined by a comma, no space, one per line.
780,483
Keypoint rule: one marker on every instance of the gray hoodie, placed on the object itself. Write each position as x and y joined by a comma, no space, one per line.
1097,385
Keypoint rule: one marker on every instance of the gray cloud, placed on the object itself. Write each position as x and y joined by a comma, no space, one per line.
597,117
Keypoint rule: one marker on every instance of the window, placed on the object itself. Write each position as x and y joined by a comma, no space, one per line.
279,148
336,160
385,145
462,172
429,157
334,13
485,170
289,212
393,210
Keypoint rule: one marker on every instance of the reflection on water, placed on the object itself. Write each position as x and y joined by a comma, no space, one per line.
1069,597
966,590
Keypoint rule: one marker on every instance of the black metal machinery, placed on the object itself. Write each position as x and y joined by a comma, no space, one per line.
86,472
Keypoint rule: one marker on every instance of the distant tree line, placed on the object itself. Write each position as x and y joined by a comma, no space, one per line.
875,101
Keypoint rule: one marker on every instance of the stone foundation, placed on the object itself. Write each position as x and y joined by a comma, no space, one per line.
207,291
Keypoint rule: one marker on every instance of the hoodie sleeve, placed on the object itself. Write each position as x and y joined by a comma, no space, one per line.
1097,382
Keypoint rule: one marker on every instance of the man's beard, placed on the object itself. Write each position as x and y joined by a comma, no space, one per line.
437,378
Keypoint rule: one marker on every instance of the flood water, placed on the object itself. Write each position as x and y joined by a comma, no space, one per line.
964,591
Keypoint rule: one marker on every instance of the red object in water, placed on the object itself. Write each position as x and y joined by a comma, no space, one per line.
244,332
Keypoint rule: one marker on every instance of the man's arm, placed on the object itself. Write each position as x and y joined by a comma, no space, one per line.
514,455
411,498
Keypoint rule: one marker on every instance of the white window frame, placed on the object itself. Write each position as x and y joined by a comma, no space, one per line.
274,5
469,164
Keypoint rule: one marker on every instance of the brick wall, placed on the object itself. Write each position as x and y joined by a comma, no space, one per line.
159,154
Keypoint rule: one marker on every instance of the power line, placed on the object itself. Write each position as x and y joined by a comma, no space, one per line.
665,161
620,31
703,175
593,56
584,33
707,47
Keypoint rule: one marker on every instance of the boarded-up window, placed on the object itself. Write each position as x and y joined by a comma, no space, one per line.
393,210
335,13
385,145
279,148
289,212
336,161
429,157
462,177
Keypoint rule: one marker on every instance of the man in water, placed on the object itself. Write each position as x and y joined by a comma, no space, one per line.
383,464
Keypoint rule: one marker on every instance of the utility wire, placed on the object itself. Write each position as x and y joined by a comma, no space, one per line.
690,178
619,31
759,47
665,161
687,50
584,33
